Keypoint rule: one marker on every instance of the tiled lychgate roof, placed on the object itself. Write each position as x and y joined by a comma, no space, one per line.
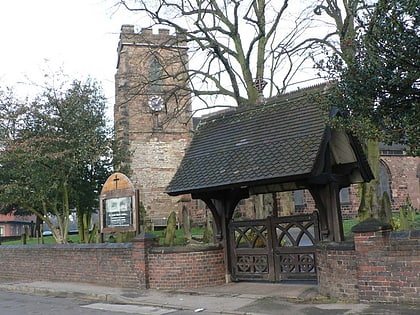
254,144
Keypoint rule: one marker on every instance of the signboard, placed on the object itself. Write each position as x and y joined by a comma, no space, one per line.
118,212
118,205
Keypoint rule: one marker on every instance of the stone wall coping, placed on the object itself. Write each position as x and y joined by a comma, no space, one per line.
144,236
403,235
347,245
371,225
71,246
183,249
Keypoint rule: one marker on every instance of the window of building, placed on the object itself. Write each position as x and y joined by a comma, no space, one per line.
345,195
155,76
299,197
2,230
384,183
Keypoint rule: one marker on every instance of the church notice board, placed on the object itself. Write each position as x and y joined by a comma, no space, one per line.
119,202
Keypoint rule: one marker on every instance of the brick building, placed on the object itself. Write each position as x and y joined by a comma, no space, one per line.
399,177
400,174
15,225
152,112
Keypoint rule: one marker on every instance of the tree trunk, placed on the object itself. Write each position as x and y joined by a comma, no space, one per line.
208,235
369,205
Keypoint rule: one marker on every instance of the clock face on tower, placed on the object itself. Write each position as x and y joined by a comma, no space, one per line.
156,103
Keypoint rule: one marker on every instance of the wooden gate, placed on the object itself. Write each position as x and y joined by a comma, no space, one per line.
274,249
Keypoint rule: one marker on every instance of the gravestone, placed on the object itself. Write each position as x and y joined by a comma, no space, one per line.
170,230
186,222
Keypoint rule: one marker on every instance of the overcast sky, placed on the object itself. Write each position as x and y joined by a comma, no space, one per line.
42,36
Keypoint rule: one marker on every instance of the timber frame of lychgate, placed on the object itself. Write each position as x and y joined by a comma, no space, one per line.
281,144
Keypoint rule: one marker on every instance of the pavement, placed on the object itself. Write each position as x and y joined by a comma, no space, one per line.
246,298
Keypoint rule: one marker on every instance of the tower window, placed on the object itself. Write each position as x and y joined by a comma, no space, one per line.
155,77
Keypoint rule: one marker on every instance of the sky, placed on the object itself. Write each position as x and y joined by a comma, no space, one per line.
77,37
41,37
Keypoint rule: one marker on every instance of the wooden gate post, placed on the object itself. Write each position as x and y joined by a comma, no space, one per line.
222,207
327,200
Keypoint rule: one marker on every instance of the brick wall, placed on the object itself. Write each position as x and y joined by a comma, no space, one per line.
388,266
404,179
383,267
126,265
186,268
337,270
102,264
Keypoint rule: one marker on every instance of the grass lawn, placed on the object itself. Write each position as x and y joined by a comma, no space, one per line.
73,238
347,225
180,240
179,235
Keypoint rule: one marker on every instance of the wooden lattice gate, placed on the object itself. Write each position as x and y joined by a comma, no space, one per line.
274,249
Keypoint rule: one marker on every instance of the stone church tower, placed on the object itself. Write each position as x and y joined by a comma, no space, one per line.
152,113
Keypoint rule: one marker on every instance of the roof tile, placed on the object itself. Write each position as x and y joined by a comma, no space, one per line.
278,139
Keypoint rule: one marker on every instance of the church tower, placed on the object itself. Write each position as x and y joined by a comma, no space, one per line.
152,113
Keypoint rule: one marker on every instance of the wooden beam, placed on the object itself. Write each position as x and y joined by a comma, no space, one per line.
222,205
327,200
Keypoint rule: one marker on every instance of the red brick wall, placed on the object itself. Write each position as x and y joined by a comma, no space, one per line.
125,265
404,179
337,271
171,268
383,268
389,266
103,264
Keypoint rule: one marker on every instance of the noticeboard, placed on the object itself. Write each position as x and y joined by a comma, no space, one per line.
118,205
118,212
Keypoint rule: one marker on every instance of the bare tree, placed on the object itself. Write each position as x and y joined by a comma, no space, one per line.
238,46
235,49
235,46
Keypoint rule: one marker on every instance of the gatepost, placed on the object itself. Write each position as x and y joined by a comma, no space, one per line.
140,256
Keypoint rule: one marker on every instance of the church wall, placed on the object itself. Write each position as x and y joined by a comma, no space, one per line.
404,182
155,140
404,179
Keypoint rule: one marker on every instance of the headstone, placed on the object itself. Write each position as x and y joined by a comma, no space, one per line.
186,222
208,236
170,230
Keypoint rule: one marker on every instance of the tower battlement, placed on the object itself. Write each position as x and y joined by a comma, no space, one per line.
129,35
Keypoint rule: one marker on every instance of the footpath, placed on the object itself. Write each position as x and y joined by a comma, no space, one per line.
233,298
